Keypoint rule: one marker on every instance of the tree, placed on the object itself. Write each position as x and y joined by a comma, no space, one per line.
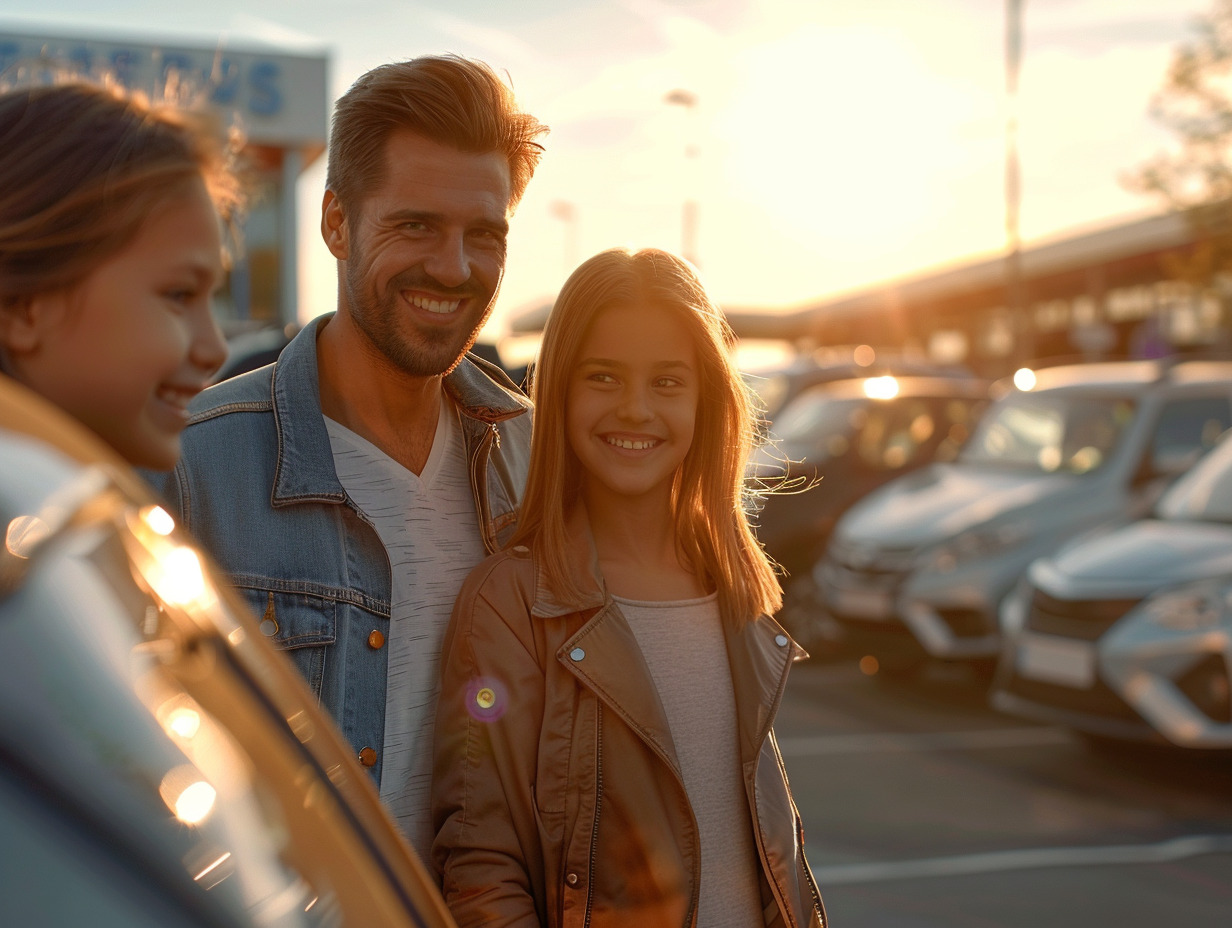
1195,176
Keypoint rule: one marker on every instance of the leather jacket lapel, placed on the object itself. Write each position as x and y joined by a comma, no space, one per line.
605,656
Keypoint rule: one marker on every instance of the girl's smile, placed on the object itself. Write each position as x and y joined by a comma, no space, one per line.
632,401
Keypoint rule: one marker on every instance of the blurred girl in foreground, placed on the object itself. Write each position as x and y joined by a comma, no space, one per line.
110,251
604,746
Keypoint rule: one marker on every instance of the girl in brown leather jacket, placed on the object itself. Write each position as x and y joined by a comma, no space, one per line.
604,750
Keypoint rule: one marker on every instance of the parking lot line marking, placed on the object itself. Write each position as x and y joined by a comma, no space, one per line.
1023,859
821,745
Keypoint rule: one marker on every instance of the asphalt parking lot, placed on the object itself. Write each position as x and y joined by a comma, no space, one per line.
923,807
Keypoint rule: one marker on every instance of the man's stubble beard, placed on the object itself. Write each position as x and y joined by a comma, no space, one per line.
433,352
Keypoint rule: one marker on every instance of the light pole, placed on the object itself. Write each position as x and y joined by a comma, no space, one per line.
1014,291
688,216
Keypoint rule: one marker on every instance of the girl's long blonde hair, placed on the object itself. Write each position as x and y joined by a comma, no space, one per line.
709,492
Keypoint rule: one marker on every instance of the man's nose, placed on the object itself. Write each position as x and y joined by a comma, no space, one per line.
449,263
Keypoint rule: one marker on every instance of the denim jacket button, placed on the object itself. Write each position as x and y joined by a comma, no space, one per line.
367,757
376,640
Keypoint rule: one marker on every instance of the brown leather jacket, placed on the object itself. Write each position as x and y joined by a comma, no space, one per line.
557,796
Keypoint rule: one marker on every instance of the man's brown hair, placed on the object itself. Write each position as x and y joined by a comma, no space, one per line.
447,99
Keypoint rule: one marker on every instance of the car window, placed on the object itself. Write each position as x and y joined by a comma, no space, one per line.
1187,427
1053,433
1205,492
909,430
817,413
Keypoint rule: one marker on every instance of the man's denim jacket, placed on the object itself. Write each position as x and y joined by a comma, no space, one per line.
256,485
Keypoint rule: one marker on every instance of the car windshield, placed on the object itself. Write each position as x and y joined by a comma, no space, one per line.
1205,492
1059,433
816,413
885,434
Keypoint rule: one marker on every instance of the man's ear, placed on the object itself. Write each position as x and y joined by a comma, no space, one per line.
334,226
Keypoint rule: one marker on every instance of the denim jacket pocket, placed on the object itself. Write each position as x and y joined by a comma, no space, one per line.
303,626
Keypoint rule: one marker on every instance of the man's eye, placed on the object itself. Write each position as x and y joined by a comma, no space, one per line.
492,236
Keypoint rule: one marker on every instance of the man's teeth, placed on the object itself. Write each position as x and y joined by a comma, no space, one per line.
435,306
631,445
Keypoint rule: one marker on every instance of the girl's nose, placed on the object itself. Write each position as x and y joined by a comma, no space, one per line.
208,349
634,405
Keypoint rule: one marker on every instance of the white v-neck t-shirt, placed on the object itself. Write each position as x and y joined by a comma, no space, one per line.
430,530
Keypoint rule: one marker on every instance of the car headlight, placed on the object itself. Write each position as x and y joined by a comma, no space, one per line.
1191,608
980,542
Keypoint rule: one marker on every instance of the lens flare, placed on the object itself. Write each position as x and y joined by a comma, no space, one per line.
486,699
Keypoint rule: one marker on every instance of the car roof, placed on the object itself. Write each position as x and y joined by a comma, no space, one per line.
962,386
1130,377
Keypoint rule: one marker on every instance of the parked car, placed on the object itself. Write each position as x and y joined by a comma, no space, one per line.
779,386
834,443
1128,634
919,567
160,763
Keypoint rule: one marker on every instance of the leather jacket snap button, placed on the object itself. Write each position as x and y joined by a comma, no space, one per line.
576,654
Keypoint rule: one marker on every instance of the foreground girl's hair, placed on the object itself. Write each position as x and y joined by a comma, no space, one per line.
82,165
708,494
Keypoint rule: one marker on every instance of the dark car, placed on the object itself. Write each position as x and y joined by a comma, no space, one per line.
835,442
778,386
160,764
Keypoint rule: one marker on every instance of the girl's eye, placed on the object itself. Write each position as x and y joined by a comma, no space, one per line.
180,296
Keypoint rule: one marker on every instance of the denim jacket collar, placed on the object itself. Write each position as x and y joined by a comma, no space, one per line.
305,468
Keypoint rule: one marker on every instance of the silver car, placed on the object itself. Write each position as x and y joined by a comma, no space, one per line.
1128,635
160,764
919,567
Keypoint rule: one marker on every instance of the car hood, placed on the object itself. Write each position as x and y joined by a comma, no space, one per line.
1150,554
942,500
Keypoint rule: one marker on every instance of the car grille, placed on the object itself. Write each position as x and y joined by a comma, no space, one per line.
1085,619
872,561
1099,700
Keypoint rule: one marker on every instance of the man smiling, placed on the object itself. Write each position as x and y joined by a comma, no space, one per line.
350,487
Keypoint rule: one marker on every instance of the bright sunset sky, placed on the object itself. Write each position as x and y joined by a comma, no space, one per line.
838,143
